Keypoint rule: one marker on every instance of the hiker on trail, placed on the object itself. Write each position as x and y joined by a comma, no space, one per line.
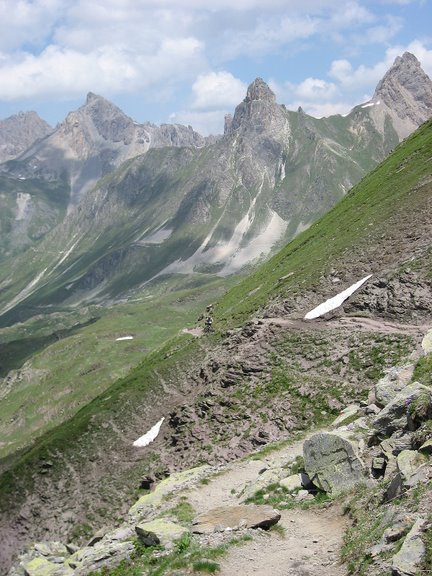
208,323
209,308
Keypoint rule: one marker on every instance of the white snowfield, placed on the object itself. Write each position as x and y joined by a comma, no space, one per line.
124,338
336,301
149,436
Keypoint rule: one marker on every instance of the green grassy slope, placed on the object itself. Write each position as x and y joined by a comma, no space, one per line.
71,357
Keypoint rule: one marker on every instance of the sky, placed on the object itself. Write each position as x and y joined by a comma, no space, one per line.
190,61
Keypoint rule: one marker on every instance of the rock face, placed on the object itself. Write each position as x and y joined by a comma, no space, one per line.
406,93
20,131
235,517
331,463
396,416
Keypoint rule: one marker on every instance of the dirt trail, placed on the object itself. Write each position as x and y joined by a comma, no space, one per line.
312,538
309,547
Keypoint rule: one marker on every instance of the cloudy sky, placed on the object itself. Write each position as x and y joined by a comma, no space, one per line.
190,61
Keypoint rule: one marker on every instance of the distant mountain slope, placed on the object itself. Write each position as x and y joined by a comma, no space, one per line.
256,379
20,131
210,209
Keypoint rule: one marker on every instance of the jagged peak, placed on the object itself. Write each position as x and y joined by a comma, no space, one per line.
259,90
405,71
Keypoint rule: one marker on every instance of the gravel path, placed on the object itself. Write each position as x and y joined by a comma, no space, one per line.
310,545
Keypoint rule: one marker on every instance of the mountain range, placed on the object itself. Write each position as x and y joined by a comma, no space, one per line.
101,206
264,375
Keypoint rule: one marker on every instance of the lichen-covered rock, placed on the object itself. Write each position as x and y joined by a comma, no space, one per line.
426,447
347,414
149,502
332,464
159,531
102,555
393,382
40,566
235,518
408,559
291,483
395,415
413,467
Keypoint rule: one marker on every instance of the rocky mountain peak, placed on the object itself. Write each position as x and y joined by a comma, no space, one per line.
259,90
19,131
405,76
259,110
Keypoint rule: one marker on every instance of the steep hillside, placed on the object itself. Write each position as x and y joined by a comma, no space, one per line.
264,374
213,209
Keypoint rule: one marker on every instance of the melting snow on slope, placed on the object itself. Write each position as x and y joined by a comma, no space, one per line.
370,104
149,436
336,301
124,338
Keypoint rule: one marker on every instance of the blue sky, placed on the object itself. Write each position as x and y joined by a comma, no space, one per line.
190,61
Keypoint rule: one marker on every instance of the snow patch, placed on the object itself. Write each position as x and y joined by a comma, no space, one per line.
370,104
149,436
336,301
124,338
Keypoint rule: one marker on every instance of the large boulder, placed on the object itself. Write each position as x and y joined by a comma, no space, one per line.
159,531
331,463
235,518
409,558
396,414
393,382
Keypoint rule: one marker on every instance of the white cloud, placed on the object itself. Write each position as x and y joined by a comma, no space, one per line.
217,90
108,69
315,89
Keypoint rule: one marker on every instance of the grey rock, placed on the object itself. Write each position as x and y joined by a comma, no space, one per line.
102,555
346,414
426,447
20,131
413,467
332,464
159,531
235,517
393,382
291,483
408,559
395,415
